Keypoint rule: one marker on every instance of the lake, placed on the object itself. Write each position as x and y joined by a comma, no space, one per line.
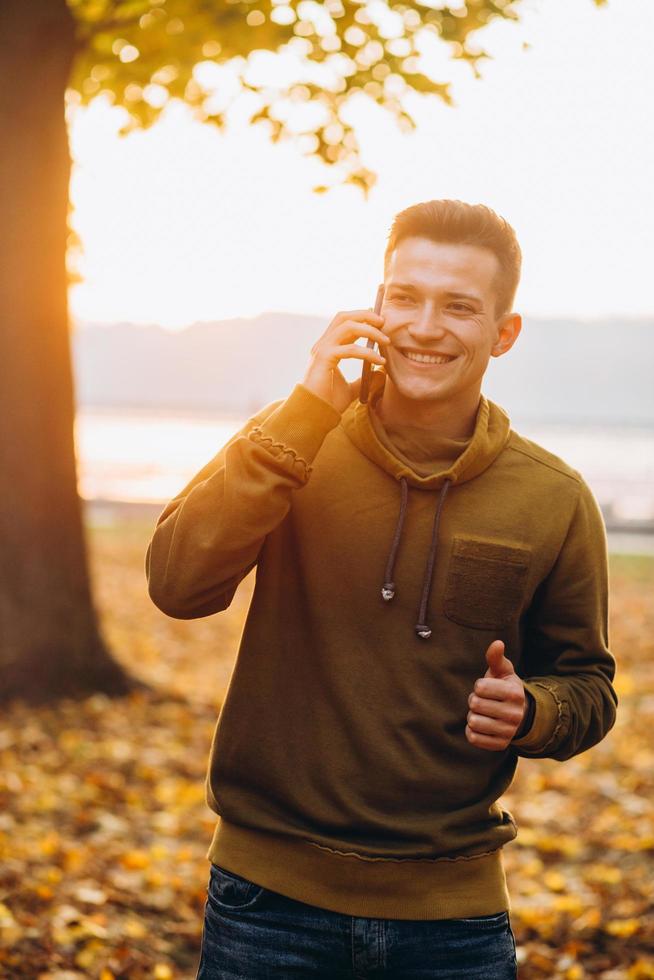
145,456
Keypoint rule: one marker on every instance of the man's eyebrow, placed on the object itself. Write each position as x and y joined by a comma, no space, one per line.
409,286
451,293
470,296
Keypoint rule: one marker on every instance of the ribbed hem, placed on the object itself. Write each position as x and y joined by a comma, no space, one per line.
546,719
379,888
301,423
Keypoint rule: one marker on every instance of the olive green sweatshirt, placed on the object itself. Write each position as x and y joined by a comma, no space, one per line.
339,768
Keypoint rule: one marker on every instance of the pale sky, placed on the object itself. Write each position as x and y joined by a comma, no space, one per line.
184,223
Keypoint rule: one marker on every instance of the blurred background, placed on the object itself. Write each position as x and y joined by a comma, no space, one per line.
210,266
233,172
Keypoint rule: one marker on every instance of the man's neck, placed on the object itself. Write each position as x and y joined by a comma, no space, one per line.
451,420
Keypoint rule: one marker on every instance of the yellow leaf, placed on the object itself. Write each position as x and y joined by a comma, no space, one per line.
155,878
527,837
604,873
532,868
554,881
568,903
622,927
135,859
74,859
49,844
135,929
589,920
87,956
630,842
641,970
559,843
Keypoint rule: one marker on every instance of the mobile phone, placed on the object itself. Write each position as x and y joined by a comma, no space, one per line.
364,390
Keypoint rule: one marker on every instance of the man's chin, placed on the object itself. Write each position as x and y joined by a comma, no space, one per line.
415,390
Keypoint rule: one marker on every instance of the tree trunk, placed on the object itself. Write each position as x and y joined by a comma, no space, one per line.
50,642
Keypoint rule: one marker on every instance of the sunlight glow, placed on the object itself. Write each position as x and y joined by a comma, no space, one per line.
184,222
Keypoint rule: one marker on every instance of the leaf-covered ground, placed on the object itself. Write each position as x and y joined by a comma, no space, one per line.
104,829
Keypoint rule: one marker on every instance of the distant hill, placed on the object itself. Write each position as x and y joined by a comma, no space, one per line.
586,372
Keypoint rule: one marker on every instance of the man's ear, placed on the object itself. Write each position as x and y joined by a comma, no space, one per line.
508,330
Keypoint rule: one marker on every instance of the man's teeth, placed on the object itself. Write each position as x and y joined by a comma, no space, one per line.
427,358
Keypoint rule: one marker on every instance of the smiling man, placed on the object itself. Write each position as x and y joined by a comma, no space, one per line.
441,318
430,605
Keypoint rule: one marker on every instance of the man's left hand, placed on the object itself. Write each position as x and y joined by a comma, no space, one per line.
497,704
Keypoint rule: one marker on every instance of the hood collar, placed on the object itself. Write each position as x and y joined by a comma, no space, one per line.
491,433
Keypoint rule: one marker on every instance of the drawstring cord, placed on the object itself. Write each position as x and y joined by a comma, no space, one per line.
388,588
421,627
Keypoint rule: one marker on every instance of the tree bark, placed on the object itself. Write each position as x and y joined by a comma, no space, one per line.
50,641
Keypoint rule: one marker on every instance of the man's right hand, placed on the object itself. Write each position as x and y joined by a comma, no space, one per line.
323,376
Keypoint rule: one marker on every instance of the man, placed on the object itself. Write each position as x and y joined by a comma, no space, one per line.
430,604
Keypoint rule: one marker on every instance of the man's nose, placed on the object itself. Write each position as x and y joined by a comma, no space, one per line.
427,324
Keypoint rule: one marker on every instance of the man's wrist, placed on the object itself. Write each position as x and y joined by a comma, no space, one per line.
528,718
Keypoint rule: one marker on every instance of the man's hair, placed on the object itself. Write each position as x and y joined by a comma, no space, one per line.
463,224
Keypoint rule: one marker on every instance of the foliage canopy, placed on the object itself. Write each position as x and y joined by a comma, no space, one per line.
299,61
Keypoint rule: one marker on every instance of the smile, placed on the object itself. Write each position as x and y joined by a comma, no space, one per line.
420,358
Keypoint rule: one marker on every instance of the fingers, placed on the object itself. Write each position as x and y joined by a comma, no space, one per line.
499,690
508,711
337,354
483,725
352,329
490,742
354,324
496,711
360,352
331,350
362,316
338,342
334,352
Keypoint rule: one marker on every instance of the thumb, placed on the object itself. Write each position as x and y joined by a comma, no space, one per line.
498,665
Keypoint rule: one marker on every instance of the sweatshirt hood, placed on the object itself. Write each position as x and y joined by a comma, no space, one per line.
490,435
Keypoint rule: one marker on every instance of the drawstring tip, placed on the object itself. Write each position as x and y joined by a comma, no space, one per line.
423,632
388,591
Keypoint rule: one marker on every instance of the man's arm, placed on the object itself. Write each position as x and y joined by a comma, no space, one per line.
209,536
568,668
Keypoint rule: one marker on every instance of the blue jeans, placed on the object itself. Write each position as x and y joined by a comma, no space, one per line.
253,933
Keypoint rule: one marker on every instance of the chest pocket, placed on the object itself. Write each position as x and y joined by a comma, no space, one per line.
485,583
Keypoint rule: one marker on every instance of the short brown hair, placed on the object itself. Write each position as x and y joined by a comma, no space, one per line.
463,224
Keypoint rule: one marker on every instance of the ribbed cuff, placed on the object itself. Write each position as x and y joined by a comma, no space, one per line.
301,423
528,719
546,718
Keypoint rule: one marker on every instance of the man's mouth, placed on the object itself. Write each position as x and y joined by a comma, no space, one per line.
426,357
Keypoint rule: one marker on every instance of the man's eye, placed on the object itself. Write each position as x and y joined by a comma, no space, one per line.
461,308
401,297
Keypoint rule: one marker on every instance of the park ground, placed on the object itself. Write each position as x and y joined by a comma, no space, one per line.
104,827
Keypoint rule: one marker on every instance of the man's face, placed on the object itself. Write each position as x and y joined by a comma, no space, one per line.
439,311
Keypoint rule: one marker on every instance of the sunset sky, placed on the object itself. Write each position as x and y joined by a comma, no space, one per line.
182,223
